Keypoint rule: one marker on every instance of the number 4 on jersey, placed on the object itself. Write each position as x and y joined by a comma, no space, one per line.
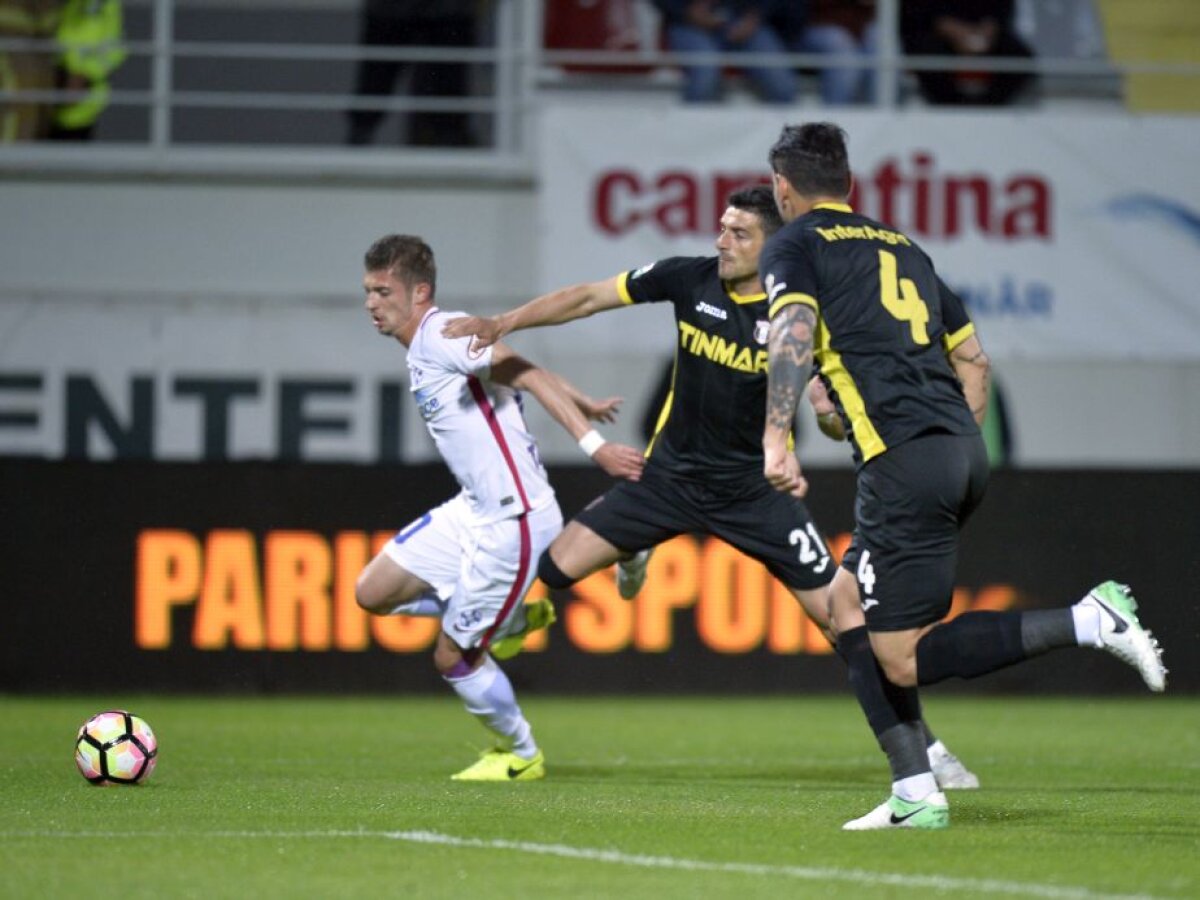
901,298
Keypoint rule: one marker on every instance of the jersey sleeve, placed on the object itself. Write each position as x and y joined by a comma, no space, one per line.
958,322
661,281
455,354
788,274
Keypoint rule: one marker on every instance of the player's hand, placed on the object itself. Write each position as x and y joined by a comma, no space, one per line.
600,410
485,331
620,461
782,471
818,396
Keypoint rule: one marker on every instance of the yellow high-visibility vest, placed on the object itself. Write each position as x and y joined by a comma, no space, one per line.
90,33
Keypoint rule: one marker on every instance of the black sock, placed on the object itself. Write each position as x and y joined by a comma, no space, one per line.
905,748
884,704
1047,629
973,644
552,576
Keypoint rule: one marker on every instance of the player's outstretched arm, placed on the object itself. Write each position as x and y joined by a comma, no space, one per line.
618,460
789,364
564,305
974,371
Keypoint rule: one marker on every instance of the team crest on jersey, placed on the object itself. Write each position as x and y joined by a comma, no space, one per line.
642,271
762,330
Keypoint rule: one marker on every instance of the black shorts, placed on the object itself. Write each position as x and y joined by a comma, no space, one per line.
910,505
749,514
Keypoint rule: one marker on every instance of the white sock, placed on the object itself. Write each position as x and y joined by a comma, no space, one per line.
937,748
428,605
1087,625
488,695
915,787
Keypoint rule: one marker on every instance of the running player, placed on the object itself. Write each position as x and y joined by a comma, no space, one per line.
505,514
704,464
863,301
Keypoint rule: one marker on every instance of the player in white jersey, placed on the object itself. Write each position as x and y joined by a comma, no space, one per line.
471,560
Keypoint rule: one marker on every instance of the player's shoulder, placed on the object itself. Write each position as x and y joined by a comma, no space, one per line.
675,266
673,277
795,236
429,340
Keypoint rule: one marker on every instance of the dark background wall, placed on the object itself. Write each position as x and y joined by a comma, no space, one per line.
239,577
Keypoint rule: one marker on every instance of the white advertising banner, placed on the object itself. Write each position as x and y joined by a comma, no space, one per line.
178,379
1070,237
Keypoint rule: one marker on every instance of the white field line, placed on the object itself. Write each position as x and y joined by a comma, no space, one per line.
616,857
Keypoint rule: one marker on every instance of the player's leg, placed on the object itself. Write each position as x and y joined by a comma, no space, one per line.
873,690
486,607
977,643
535,612
575,554
482,593
894,716
386,589
388,586
487,694
908,507
616,527
777,530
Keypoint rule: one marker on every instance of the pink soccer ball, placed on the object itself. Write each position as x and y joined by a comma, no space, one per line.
116,747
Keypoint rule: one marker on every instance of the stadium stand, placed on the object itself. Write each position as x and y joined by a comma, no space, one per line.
285,72
1165,31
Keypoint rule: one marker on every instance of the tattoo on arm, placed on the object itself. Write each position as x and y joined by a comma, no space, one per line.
789,362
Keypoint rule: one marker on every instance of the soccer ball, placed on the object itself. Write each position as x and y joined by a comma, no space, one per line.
115,747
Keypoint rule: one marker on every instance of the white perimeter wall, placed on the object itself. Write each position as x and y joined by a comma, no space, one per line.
283,262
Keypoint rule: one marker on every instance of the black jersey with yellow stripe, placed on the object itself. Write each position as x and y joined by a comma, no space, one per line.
711,424
883,325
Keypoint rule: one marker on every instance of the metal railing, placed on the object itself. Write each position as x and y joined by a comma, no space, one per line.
514,66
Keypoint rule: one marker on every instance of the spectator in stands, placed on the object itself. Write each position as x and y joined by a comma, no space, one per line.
89,36
965,29
839,28
432,23
26,70
717,26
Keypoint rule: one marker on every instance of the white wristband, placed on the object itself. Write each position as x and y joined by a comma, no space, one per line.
591,442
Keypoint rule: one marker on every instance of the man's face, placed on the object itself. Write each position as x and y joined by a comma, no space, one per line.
739,244
389,301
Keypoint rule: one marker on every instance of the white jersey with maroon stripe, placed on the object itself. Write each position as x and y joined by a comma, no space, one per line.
478,426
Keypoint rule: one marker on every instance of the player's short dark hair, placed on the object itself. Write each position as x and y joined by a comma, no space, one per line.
759,200
405,256
813,158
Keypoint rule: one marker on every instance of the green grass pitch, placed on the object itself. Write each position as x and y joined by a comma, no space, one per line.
645,797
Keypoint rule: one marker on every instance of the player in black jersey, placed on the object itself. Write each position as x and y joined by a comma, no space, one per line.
861,302
704,463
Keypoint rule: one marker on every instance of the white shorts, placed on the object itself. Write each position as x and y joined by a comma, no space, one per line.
480,572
